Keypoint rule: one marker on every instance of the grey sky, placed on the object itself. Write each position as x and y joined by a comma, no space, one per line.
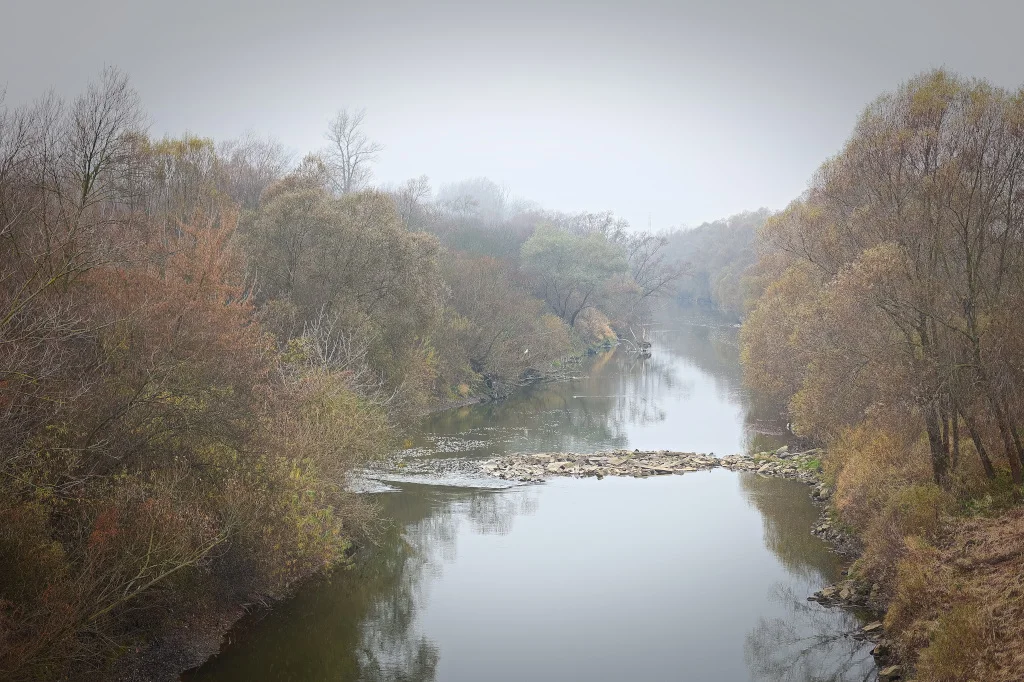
683,112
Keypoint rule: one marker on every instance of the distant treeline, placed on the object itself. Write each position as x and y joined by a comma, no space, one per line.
200,340
716,257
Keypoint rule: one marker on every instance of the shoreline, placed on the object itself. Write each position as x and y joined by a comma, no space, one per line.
197,642
851,593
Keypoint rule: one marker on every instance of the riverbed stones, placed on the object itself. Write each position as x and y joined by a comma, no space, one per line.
529,467
893,672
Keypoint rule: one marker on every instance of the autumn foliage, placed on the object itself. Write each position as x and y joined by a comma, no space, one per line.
162,452
888,320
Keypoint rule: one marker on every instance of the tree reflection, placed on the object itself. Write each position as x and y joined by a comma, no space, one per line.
787,517
811,644
361,623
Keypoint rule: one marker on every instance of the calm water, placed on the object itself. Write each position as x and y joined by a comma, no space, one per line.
694,577
688,396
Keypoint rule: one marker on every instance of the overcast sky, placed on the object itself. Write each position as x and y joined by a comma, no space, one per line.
677,112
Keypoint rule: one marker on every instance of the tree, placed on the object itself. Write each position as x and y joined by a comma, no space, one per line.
571,272
353,258
350,152
412,199
717,256
502,330
250,164
914,240
100,134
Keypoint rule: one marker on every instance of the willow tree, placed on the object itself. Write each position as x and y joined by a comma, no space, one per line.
352,259
911,245
571,272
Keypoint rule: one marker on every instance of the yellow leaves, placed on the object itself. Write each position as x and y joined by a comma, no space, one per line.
183,146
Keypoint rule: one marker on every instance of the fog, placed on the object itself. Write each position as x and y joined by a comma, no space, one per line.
667,113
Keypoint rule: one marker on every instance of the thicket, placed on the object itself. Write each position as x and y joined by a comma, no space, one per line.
199,342
888,320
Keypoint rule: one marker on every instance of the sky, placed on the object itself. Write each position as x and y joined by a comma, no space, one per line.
667,113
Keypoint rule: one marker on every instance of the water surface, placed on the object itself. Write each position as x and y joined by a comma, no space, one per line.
694,577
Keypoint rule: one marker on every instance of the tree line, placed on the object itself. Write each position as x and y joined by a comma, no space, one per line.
200,341
893,284
886,317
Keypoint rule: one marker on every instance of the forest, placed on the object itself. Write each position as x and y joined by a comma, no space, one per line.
886,317
201,340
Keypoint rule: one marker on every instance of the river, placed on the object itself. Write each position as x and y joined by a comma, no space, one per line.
695,577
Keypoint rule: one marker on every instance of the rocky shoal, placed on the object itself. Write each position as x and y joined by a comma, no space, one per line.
533,467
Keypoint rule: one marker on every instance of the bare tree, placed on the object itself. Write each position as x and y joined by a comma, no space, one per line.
350,152
411,199
251,164
102,129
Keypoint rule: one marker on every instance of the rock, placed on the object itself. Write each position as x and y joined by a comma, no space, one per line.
764,468
825,493
846,594
893,672
872,627
882,649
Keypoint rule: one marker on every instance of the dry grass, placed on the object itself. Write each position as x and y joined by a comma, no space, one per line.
959,606
949,561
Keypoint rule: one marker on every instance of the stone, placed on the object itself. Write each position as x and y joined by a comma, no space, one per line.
825,493
893,672
872,627
882,649
846,594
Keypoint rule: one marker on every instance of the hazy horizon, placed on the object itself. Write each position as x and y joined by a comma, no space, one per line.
677,113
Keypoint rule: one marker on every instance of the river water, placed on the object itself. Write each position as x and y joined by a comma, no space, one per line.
696,577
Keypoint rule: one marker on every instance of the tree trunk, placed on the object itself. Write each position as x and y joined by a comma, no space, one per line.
940,455
955,429
979,445
1012,455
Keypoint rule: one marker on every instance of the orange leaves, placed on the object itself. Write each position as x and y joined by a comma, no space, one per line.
104,529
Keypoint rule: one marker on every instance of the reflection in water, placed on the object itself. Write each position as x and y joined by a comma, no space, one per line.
702,576
810,643
787,519
361,623
807,645
575,579
688,395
